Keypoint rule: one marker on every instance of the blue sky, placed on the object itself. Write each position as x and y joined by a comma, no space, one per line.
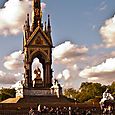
83,34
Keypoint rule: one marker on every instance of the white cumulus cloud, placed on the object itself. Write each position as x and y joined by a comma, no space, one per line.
2,73
9,78
14,61
66,74
107,32
67,52
66,57
103,73
13,15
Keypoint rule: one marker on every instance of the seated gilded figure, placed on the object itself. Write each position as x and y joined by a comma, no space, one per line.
38,80
37,71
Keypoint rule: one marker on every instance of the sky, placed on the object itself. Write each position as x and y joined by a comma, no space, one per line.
83,34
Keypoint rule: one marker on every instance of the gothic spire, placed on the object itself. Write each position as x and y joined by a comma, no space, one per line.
45,29
28,23
36,18
49,27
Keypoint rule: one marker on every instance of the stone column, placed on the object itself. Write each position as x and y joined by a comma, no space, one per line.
48,75
30,75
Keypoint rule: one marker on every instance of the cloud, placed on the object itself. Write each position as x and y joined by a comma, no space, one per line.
14,65
43,6
67,70
2,73
66,74
78,63
65,57
68,52
103,6
14,61
98,46
103,73
13,15
107,32
9,78
69,77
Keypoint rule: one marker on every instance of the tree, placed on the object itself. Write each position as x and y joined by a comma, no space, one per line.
7,93
70,93
87,90
112,88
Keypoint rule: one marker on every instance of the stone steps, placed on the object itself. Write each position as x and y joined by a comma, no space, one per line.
11,100
45,99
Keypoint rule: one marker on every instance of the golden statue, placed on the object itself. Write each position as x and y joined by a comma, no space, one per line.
38,79
37,71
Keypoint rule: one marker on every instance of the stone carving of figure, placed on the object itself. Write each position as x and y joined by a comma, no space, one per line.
106,96
55,88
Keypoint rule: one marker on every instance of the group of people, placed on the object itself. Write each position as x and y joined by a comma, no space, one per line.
59,111
73,110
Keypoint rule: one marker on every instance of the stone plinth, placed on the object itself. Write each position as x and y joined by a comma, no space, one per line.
36,92
38,82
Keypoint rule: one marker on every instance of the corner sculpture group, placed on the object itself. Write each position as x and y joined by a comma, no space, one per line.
107,102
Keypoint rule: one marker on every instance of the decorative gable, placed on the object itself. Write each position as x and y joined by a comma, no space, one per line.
38,37
38,40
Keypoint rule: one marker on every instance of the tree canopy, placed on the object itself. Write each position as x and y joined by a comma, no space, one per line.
7,93
88,90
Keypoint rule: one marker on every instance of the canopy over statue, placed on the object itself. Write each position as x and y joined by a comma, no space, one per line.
37,43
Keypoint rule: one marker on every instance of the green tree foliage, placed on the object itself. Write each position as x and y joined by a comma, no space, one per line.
112,88
7,93
87,90
90,91
70,93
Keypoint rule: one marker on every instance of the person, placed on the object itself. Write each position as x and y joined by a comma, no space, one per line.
69,110
88,112
44,110
39,110
31,112
52,111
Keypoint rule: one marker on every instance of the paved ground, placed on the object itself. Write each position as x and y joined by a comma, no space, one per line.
11,100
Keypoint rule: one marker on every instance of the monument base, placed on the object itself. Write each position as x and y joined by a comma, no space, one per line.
38,83
36,92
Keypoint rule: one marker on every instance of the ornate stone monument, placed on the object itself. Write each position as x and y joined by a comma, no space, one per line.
37,43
